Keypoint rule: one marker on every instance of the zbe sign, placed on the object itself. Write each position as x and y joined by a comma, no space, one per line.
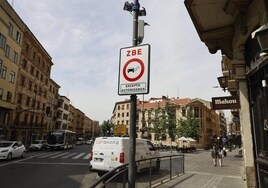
134,70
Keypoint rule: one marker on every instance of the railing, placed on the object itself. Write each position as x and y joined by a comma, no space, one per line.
161,170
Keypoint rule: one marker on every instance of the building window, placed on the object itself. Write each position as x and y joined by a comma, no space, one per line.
30,85
15,58
118,107
123,114
127,114
10,29
22,80
127,106
28,101
2,41
18,37
196,112
27,48
1,93
3,72
33,103
123,107
7,51
183,112
34,54
24,64
1,64
66,107
12,77
19,98
37,74
118,115
32,70
9,96
126,122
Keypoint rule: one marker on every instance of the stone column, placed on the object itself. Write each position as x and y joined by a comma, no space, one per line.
247,142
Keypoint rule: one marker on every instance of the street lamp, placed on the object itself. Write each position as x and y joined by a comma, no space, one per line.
223,81
262,37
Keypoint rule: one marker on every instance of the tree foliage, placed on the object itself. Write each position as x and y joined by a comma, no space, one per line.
107,128
189,127
171,120
165,121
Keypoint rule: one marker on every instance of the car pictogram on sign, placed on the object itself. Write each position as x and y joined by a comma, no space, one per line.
131,69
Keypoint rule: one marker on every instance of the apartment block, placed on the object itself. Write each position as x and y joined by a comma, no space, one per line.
149,114
11,34
30,104
121,113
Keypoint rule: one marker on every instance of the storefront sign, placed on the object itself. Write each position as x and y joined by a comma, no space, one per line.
221,103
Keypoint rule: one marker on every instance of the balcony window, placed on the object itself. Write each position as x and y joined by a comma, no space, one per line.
2,41
3,72
18,37
9,96
1,93
7,51
10,29
16,57
12,77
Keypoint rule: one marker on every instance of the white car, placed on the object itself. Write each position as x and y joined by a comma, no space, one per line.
89,142
12,149
38,145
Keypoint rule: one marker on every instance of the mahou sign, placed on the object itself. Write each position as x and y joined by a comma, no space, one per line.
221,103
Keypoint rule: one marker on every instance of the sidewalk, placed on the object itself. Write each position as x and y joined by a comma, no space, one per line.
201,173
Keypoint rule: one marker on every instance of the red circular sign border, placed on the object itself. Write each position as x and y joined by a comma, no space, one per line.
141,73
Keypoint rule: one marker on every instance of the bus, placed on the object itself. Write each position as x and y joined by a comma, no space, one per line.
61,139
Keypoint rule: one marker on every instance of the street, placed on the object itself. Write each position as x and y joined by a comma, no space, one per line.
69,169
63,168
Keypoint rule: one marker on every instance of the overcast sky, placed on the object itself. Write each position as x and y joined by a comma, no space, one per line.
84,38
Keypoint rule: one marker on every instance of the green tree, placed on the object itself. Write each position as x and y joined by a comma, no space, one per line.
188,127
107,128
165,121
171,124
159,126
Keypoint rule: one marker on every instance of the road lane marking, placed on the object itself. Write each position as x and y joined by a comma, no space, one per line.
78,156
51,163
48,155
71,154
59,155
87,156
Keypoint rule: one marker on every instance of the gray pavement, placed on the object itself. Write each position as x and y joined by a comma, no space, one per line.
201,173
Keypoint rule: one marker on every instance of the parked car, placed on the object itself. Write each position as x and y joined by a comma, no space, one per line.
80,141
38,145
12,149
89,142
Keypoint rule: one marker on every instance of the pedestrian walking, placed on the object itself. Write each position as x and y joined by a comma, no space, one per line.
220,155
214,155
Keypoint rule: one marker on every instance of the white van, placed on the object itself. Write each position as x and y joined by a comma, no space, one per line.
111,152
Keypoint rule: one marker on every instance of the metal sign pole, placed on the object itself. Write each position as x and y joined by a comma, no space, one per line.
133,109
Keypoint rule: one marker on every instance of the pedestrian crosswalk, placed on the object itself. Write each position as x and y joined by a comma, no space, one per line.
63,155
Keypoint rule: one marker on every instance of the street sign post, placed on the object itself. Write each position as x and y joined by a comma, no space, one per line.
134,70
